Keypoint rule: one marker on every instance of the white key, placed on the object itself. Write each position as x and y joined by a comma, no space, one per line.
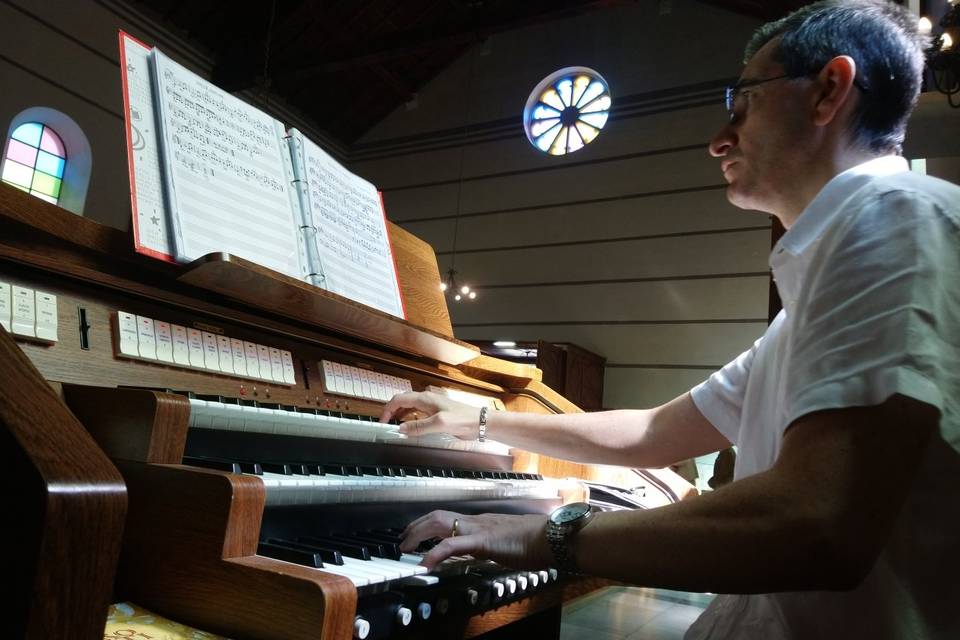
357,579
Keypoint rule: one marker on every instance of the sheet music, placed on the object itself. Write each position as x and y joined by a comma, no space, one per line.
228,174
351,234
149,222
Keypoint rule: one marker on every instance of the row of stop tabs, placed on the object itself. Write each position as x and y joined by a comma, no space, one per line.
28,313
148,339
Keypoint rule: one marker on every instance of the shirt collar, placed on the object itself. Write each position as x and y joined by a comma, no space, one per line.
826,204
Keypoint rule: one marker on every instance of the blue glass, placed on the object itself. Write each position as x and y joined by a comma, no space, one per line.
50,164
29,133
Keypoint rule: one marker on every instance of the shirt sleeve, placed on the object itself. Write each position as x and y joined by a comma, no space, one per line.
878,309
720,397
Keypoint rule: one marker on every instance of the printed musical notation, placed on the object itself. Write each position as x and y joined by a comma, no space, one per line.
226,183
351,233
213,174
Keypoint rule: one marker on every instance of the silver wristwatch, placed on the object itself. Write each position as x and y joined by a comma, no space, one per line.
563,523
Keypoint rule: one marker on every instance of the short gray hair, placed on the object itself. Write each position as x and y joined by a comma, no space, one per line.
882,38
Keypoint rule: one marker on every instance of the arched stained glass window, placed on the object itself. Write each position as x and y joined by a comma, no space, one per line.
567,110
35,161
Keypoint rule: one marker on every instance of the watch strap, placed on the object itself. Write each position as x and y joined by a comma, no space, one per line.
482,429
558,537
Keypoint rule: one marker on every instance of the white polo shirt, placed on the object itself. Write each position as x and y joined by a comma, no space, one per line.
869,276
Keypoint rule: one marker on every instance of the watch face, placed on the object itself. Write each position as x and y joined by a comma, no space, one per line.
569,512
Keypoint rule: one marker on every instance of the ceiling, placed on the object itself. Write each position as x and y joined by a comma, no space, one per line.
372,56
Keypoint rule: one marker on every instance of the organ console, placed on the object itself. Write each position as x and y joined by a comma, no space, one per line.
256,492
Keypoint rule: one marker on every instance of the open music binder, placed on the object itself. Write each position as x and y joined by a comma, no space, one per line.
210,173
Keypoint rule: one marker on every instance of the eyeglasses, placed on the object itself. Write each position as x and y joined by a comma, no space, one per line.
730,93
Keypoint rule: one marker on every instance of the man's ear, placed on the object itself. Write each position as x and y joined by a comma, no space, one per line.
834,89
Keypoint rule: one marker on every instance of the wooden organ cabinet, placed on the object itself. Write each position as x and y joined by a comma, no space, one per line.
237,409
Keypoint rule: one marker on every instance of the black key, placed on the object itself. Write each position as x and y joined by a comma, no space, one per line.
299,469
348,549
369,470
277,467
212,463
251,467
426,545
329,556
315,469
392,535
375,548
388,548
290,554
333,469
381,536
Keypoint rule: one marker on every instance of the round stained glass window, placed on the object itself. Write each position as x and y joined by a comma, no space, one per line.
567,110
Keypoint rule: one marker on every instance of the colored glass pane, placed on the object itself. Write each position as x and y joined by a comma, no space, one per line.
574,143
544,141
541,126
587,133
600,104
595,119
579,86
594,90
565,90
22,153
551,98
45,184
560,144
44,196
51,143
28,133
17,173
49,163
543,111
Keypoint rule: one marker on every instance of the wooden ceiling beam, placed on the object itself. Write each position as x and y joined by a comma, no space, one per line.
413,42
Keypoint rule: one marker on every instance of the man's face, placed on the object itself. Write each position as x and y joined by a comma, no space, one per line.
762,147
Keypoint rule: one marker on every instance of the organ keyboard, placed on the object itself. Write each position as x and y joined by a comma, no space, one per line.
264,498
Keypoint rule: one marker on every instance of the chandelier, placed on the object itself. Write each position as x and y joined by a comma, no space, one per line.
943,56
459,292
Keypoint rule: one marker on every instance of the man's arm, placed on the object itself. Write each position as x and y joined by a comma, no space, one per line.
633,438
816,520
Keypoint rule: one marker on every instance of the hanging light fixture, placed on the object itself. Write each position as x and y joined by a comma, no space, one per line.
460,291
943,56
